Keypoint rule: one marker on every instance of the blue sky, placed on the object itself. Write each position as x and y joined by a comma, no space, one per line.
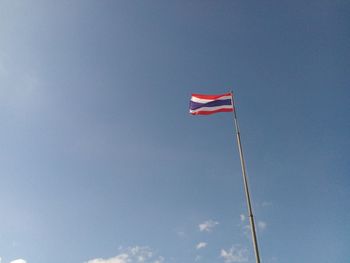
101,162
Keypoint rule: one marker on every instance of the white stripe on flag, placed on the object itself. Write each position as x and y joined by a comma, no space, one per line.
198,100
212,108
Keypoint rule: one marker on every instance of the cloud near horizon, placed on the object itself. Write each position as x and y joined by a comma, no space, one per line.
17,261
122,258
135,254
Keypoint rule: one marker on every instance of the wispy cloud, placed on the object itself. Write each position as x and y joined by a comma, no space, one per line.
180,232
201,245
159,260
242,217
118,259
262,225
135,254
247,231
18,261
208,225
234,254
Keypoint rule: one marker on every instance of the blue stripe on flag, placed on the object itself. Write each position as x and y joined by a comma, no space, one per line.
215,103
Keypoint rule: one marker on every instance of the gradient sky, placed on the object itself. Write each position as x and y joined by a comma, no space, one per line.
101,162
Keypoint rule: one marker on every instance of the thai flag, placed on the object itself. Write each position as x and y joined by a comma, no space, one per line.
208,104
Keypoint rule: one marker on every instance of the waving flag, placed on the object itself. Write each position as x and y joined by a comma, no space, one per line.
201,104
208,104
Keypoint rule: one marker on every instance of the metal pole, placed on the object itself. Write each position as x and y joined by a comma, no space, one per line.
250,211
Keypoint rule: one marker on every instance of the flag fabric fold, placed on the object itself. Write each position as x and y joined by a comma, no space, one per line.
201,104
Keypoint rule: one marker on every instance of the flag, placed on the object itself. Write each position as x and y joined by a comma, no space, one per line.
208,104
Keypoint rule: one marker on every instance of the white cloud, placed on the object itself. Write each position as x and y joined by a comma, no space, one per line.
141,254
262,225
208,225
201,245
135,254
122,258
234,254
18,261
242,217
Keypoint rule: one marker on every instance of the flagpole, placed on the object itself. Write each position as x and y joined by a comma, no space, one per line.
245,181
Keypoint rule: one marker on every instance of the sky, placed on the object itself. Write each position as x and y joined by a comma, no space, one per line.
102,163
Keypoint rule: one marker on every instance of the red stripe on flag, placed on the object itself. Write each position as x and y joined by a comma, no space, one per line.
210,97
211,112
